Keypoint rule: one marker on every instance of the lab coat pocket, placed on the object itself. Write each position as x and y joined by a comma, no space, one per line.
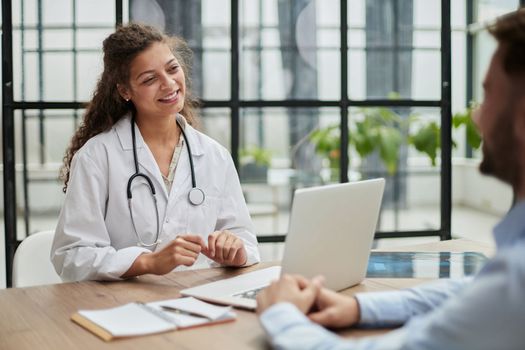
203,218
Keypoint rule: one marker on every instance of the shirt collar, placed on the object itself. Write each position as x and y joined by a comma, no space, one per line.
123,130
512,227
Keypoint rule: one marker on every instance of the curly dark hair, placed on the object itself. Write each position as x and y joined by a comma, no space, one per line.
107,106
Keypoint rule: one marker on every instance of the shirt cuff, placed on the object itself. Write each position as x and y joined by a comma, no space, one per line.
252,254
381,309
281,316
121,261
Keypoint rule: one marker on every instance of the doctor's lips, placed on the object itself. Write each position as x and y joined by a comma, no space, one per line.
172,97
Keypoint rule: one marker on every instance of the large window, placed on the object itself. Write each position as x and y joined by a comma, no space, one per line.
297,90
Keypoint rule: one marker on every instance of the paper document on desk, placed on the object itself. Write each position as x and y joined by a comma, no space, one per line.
135,319
194,306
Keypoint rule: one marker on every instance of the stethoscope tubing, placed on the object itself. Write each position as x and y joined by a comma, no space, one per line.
196,195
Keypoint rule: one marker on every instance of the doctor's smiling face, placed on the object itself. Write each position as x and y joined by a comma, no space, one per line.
156,84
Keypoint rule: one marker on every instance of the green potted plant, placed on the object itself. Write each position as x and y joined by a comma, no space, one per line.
254,162
427,139
382,130
327,144
465,118
379,129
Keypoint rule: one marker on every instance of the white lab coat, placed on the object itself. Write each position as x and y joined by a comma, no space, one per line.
94,238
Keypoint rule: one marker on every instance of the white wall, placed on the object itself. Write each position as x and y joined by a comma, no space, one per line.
470,188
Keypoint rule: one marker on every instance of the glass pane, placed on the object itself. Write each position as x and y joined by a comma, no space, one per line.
484,47
95,12
24,66
57,12
357,14
47,135
382,144
277,155
89,68
216,74
490,9
205,26
57,78
459,55
216,50
57,39
216,14
458,14
459,99
427,13
216,123
427,39
28,10
389,44
50,64
357,74
426,82
91,39
289,49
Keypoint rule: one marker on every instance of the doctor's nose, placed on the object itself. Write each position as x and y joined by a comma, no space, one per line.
167,81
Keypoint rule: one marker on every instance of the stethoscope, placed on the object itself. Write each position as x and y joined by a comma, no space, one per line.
196,196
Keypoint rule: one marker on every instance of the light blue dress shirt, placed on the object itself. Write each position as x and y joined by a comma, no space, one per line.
484,312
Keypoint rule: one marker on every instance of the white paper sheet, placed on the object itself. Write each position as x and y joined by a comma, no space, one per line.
128,320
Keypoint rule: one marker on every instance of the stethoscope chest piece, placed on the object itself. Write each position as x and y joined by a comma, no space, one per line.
196,196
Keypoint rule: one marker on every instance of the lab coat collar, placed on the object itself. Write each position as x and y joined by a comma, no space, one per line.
191,134
123,130
147,161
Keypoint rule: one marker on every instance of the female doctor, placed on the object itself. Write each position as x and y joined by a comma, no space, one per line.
147,193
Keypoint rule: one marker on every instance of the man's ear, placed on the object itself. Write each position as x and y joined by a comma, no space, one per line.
123,92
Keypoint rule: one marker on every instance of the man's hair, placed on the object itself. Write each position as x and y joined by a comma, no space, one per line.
509,31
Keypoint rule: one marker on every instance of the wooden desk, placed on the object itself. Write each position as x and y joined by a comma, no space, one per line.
39,317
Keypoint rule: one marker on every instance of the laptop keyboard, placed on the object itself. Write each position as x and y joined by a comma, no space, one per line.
249,294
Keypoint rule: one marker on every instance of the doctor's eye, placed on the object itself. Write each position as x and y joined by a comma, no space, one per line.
173,69
148,81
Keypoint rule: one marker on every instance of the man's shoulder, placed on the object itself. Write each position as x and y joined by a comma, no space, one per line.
510,260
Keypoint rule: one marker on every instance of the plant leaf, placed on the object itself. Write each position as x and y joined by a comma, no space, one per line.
427,140
390,140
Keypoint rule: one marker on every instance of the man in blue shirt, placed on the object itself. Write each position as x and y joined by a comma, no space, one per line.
484,312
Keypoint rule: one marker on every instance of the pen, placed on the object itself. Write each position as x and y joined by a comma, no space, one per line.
184,312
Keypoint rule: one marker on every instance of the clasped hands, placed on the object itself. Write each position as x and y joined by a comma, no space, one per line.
320,305
222,247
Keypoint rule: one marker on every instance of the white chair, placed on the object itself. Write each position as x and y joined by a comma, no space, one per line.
32,265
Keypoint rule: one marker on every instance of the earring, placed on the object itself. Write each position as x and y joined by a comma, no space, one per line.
127,99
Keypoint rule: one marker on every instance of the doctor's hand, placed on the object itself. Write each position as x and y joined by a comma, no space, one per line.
295,289
226,249
183,250
335,310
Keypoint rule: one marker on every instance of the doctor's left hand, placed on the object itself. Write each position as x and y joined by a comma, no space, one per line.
183,250
226,248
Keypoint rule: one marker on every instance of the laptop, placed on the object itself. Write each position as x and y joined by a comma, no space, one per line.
330,233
